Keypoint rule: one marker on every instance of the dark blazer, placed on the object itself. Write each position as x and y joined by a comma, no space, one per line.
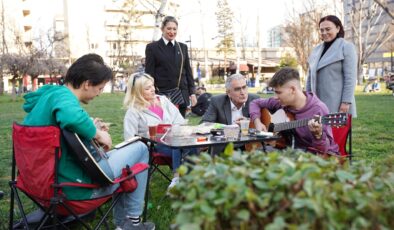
164,70
219,110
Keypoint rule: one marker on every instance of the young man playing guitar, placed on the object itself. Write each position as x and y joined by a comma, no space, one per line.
290,97
60,106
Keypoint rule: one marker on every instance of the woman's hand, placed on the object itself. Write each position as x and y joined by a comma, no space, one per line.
344,107
193,98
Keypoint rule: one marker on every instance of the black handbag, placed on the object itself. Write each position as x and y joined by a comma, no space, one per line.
175,95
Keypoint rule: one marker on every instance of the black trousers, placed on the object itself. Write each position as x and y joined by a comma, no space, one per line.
183,107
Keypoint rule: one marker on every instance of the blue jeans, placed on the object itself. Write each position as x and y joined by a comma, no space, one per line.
129,204
175,154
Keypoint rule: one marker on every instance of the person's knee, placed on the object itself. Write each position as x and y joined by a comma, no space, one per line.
143,150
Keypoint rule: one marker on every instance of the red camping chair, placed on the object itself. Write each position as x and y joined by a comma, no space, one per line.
343,138
36,153
159,159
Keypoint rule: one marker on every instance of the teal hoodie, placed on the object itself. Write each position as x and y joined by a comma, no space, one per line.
57,105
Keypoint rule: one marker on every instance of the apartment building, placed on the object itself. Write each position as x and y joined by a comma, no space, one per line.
380,61
118,30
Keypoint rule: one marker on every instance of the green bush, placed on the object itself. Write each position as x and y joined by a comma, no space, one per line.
216,80
288,190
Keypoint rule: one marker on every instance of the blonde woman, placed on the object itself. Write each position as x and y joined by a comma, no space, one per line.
145,108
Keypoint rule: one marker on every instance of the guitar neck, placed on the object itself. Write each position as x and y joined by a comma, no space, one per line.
290,125
335,119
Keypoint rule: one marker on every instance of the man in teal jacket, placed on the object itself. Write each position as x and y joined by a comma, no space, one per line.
60,105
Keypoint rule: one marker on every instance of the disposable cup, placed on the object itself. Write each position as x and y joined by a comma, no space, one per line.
244,123
152,131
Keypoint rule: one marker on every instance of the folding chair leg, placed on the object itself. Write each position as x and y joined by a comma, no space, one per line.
104,220
350,145
154,168
11,217
15,195
114,202
151,145
75,216
44,219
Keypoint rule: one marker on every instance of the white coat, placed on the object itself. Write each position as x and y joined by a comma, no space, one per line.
136,122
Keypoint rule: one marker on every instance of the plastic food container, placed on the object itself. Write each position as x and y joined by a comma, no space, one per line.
231,132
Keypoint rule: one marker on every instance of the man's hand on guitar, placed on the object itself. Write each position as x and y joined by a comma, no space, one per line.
259,125
104,139
316,127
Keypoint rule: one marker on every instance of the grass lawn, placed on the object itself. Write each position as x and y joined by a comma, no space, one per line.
373,140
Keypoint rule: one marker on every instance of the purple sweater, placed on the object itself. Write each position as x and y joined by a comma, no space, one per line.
303,137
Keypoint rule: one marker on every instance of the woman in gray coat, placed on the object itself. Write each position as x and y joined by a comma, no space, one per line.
332,73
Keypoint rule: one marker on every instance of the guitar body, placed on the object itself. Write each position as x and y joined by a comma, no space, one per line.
284,123
91,156
267,119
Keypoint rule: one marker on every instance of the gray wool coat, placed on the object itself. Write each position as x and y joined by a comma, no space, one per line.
333,77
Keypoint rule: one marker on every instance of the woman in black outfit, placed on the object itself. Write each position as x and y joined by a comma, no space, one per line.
167,61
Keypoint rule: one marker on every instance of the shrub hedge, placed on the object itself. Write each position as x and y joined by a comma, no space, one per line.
282,190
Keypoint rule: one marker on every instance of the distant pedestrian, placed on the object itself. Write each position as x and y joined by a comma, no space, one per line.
203,100
332,73
141,67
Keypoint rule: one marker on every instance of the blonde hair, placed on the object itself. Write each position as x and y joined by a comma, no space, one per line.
134,95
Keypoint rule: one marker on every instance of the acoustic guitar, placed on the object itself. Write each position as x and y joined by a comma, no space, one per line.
92,156
283,128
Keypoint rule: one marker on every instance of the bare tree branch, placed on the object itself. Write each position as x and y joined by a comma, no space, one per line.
368,30
385,8
301,32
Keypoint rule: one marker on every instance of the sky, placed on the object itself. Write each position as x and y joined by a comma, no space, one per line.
197,19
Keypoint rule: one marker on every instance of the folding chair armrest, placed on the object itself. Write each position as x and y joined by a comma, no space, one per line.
73,184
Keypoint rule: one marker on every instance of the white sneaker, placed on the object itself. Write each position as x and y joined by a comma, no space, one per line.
174,182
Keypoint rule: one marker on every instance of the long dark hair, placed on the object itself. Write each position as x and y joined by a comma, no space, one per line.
334,19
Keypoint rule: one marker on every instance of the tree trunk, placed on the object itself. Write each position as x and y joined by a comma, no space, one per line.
1,79
258,77
13,93
158,15
360,77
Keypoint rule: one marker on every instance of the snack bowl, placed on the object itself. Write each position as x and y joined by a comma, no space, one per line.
217,132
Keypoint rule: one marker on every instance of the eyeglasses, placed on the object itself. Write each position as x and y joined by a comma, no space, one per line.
239,89
135,77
